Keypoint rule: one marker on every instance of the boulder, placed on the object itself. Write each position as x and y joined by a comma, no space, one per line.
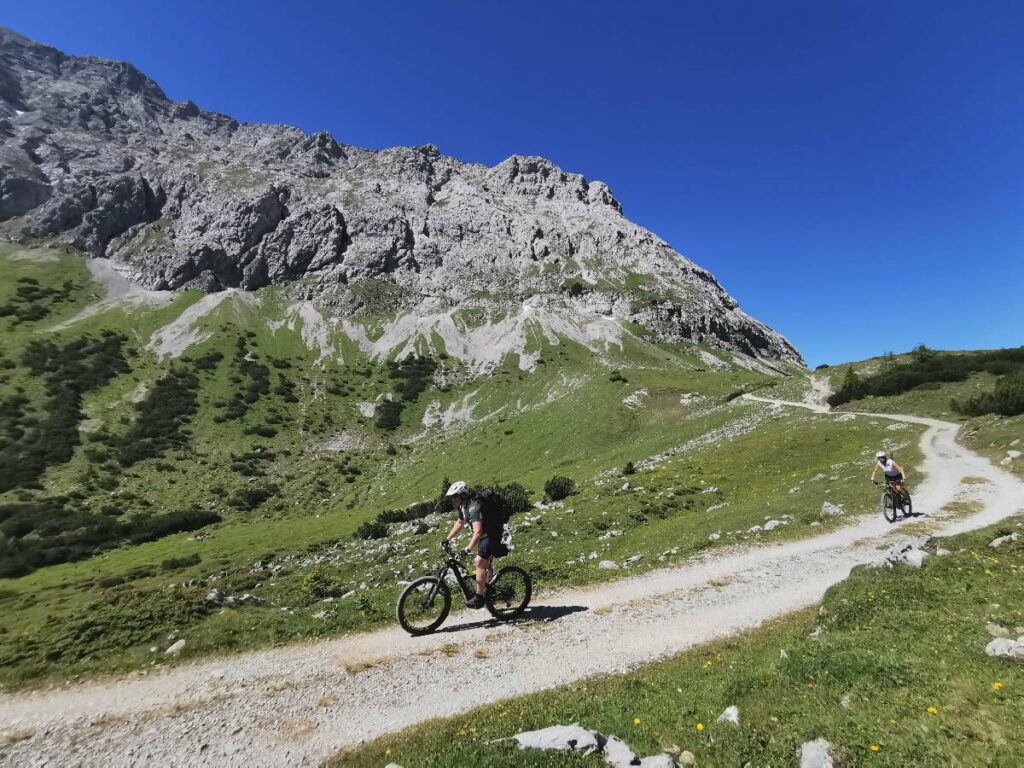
731,714
996,543
828,509
907,554
215,596
815,754
618,754
1006,647
562,737
608,565
176,648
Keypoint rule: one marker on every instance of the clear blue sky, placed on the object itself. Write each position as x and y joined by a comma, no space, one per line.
852,172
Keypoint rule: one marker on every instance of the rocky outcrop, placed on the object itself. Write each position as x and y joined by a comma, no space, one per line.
93,153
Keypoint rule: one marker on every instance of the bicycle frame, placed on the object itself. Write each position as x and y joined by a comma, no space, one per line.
463,578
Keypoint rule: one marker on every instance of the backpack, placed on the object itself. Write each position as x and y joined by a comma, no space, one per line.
494,512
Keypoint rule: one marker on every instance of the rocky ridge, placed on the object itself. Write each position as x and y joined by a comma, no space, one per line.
93,153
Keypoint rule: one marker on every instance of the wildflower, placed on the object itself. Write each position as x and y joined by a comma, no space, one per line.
700,726
875,747
462,732
636,721
387,752
932,711
810,685
503,714
894,722
997,686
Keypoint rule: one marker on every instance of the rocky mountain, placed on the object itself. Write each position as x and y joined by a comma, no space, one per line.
94,154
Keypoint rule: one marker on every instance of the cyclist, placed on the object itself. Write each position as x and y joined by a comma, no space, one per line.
893,472
470,512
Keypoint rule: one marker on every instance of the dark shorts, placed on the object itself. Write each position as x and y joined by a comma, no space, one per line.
491,546
894,479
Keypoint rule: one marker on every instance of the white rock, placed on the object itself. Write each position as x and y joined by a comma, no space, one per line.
755,529
215,596
608,565
658,761
828,509
687,758
634,559
815,754
783,654
715,536
618,754
731,714
1001,646
561,737
176,647
996,543
1013,455
771,525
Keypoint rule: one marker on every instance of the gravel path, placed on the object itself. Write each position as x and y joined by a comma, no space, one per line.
297,705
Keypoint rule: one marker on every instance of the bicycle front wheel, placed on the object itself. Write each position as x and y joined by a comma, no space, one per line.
423,605
908,506
509,593
888,507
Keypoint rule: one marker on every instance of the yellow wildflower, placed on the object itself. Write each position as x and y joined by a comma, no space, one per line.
932,711
636,721
997,686
700,726
875,747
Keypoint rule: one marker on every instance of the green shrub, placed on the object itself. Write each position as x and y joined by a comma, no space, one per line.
629,469
1005,399
318,583
174,563
372,530
558,488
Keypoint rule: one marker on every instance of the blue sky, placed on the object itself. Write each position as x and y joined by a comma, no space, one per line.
852,172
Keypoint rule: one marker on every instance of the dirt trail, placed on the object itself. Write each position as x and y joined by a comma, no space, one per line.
266,708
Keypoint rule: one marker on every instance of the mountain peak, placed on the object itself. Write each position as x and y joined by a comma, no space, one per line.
93,153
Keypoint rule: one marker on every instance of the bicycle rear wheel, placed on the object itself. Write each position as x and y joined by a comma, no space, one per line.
509,593
423,605
889,507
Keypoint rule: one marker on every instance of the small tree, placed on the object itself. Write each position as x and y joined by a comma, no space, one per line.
558,488
629,469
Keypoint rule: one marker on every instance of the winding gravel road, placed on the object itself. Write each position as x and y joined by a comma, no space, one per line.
297,705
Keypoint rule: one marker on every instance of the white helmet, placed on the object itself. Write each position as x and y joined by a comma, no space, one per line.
456,488
879,455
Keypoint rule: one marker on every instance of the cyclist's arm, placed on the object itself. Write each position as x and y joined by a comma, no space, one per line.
900,469
874,471
455,529
478,533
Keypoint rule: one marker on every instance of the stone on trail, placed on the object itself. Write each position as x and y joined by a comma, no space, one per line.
562,737
828,509
176,648
730,715
815,754
608,565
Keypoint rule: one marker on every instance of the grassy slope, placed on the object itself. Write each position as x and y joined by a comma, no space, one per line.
566,418
893,644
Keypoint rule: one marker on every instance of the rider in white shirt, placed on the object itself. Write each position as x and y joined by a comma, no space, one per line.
893,472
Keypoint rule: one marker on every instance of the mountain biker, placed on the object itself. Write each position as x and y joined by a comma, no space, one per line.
470,511
894,473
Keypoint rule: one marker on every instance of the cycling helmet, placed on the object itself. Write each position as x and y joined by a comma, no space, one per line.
457,488
879,455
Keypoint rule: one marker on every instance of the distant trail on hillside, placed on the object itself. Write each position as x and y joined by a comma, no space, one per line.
298,705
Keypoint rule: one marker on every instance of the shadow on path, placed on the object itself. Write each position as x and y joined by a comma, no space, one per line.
532,615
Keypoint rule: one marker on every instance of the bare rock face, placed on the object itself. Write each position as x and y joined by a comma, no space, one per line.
93,153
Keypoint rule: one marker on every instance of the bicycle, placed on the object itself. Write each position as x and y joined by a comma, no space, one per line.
893,500
426,602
